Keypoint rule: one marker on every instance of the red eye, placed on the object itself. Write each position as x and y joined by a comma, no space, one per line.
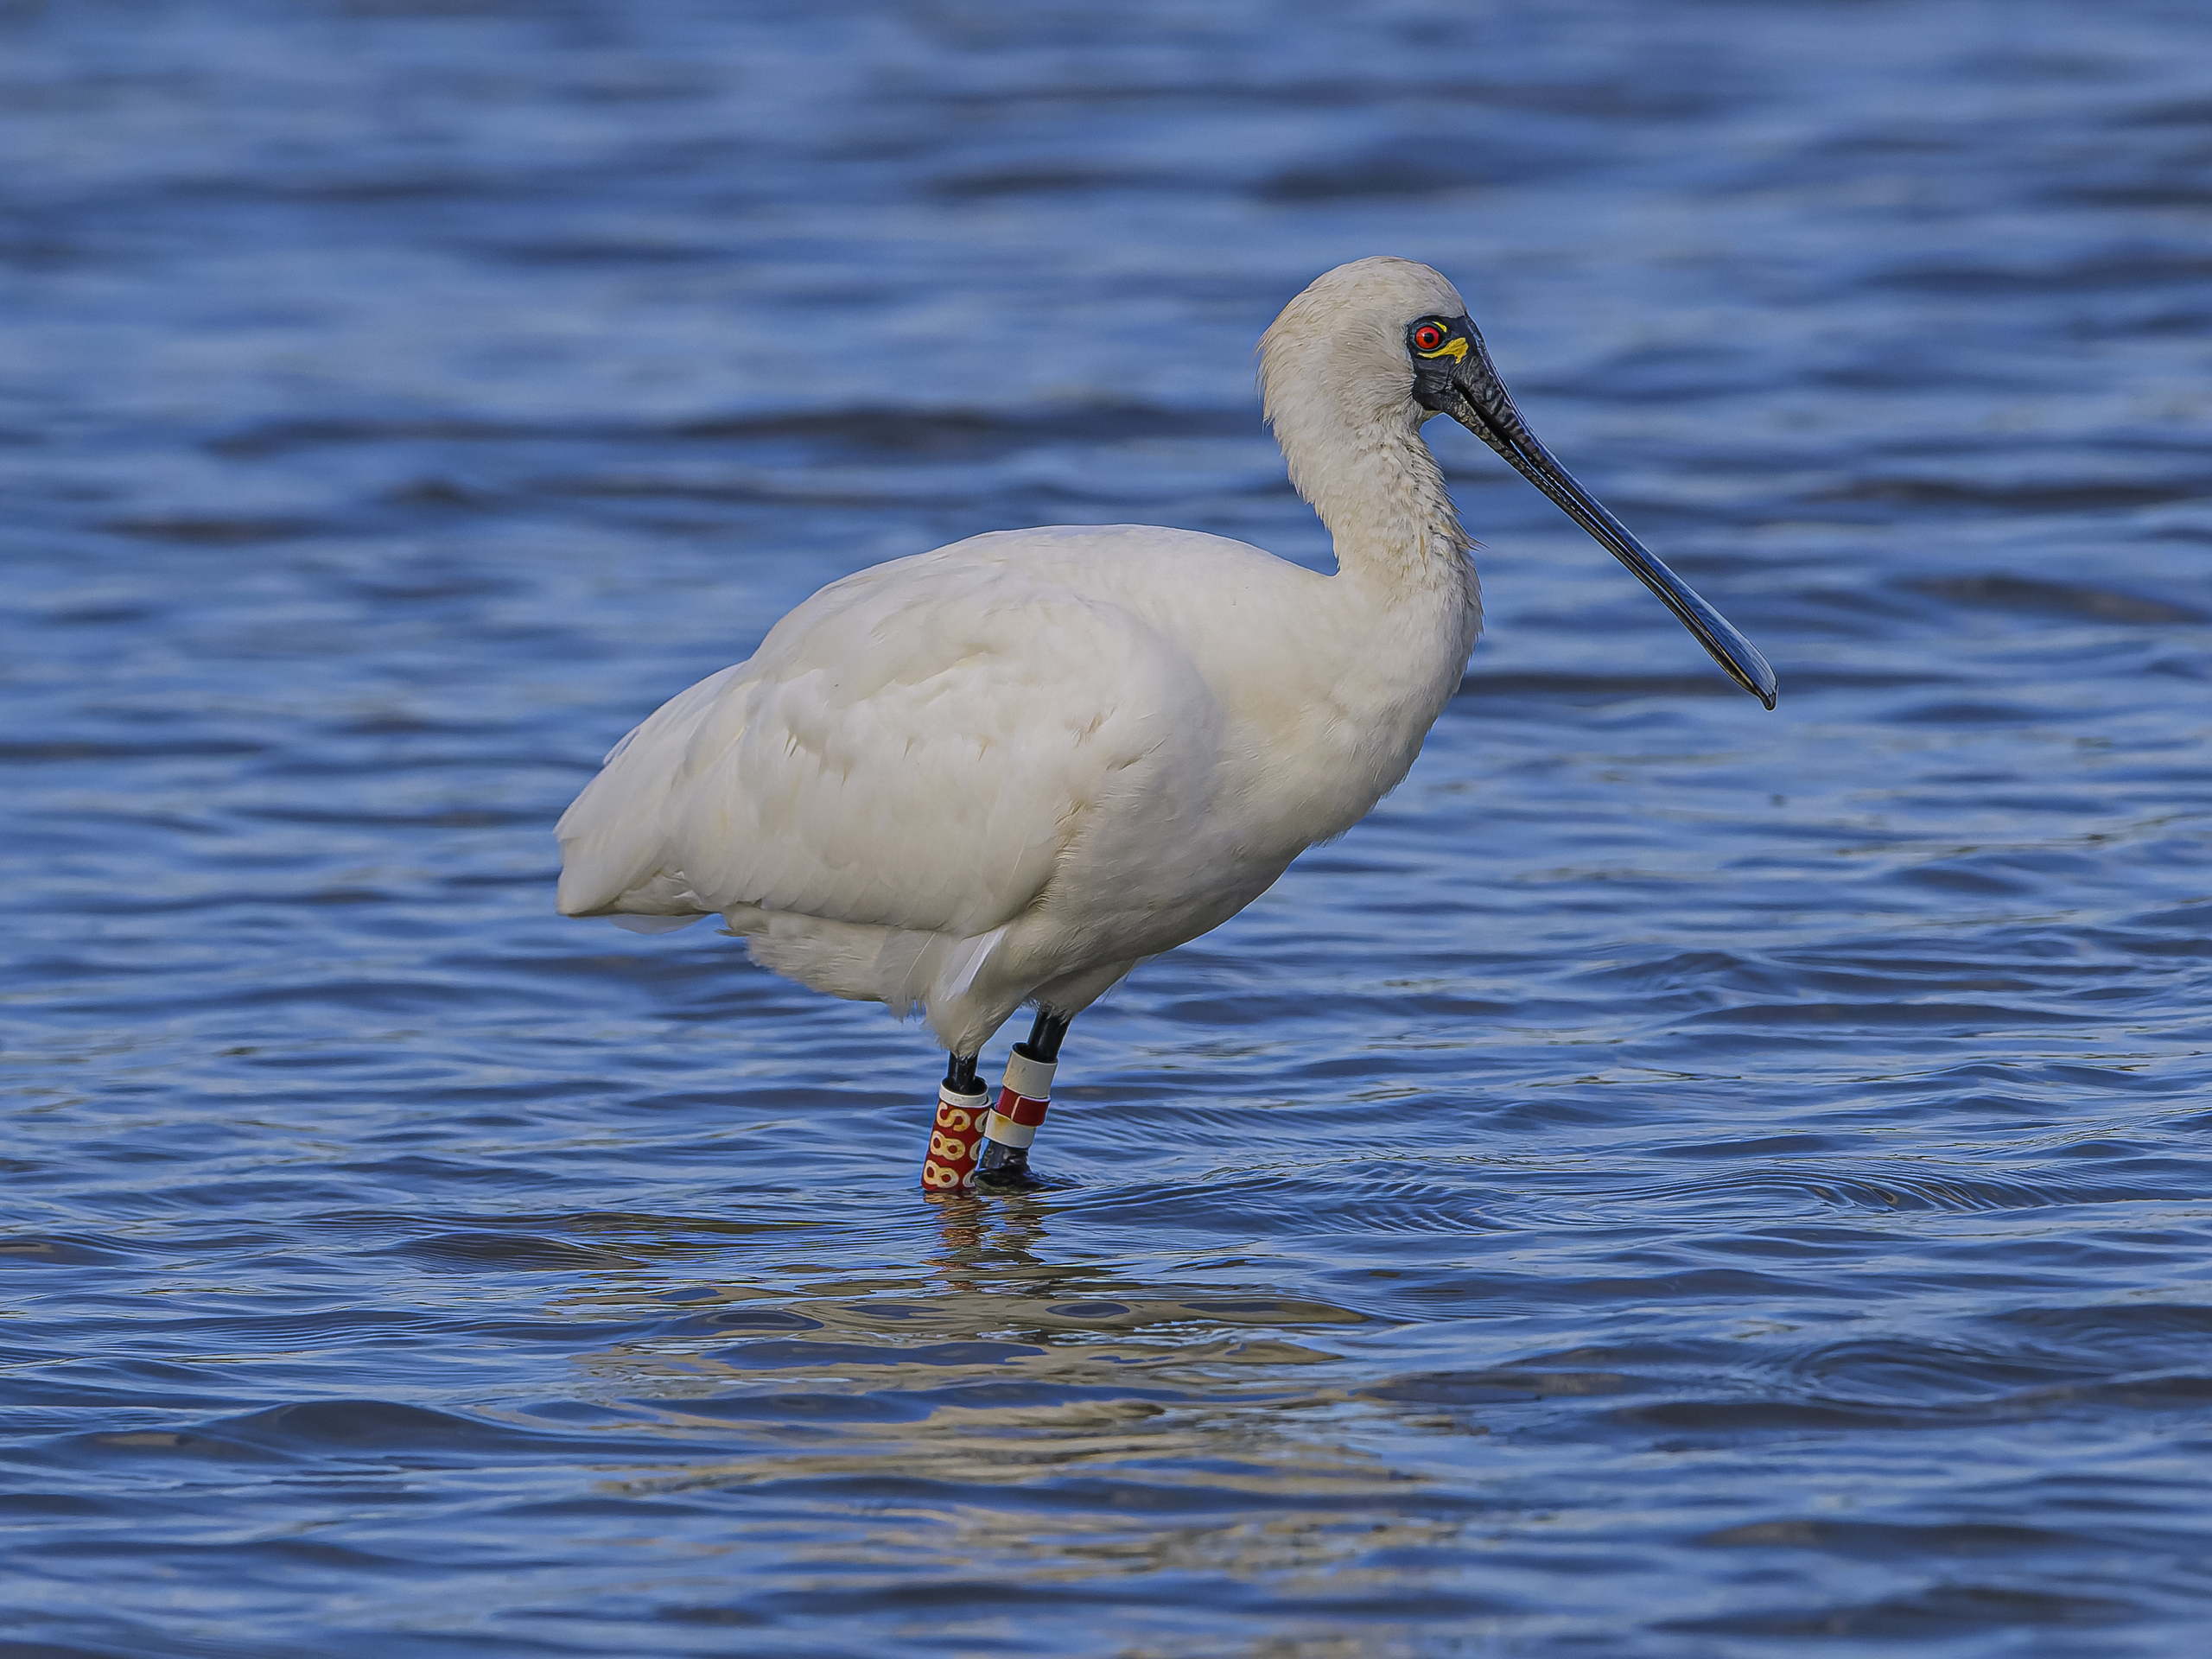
1427,337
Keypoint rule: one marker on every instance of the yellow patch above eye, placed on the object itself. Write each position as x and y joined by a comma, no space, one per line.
1456,349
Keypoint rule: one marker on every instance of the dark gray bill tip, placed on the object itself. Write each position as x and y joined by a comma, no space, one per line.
1752,671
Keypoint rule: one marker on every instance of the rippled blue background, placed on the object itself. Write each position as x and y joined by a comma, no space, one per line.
1679,1182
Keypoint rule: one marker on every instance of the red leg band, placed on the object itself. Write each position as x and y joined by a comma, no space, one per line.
956,1137
1022,1103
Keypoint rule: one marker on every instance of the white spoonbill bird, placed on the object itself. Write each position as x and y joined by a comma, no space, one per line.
1009,771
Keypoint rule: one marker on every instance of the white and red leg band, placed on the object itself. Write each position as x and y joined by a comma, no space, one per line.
956,1140
1023,1101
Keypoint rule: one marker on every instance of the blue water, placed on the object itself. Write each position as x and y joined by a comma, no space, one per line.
1678,1182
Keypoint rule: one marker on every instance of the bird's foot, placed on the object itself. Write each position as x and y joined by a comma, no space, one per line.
1006,1169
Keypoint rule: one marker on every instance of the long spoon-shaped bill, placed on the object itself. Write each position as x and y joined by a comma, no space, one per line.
1485,410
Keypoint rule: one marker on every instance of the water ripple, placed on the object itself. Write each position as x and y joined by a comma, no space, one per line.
1679,1182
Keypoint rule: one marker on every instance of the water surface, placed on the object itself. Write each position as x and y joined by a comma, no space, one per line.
1678,1182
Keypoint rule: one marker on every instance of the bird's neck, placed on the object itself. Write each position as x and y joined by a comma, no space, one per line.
1391,645
1398,542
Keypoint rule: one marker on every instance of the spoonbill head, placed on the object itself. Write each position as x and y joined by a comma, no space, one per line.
1007,771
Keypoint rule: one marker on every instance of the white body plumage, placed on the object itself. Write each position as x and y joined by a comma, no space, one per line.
1016,766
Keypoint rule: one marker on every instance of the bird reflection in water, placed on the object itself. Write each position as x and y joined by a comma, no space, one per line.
984,1237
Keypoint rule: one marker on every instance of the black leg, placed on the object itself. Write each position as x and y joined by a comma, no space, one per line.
960,1073
1004,1166
1044,1035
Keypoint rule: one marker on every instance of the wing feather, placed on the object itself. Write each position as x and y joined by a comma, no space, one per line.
912,748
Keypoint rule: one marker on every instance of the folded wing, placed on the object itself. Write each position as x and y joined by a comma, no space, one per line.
913,748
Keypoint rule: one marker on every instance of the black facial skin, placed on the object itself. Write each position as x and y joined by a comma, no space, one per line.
1433,386
1468,389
